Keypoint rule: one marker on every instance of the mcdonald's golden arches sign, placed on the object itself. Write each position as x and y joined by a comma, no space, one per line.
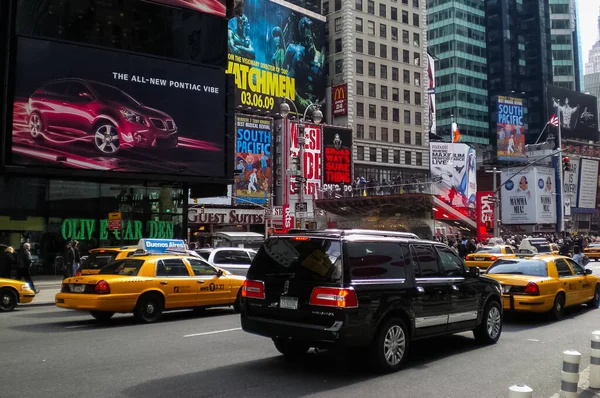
340,100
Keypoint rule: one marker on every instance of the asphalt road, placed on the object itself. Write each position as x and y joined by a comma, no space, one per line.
50,352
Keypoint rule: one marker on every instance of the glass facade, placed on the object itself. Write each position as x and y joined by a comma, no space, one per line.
457,34
565,56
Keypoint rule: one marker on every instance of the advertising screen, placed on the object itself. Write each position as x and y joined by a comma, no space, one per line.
337,151
85,108
215,7
577,112
587,187
253,159
312,158
454,172
528,197
510,128
485,215
276,50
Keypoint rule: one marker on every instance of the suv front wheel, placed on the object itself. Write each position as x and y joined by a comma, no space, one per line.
389,350
490,328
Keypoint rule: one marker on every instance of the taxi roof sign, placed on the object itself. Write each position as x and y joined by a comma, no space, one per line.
162,245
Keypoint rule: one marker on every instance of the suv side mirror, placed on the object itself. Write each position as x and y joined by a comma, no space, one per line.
219,273
474,272
588,271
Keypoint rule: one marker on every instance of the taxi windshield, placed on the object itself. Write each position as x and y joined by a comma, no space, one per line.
519,267
488,249
127,267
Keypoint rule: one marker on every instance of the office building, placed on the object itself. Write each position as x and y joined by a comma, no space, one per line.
592,69
565,49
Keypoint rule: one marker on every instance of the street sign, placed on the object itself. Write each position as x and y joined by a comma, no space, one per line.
301,207
277,210
114,221
301,214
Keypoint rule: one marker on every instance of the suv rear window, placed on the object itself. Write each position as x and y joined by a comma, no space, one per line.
126,267
376,260
307,258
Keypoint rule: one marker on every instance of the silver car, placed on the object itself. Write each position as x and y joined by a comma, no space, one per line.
236,260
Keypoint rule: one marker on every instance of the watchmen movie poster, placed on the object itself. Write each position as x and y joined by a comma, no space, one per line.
276,50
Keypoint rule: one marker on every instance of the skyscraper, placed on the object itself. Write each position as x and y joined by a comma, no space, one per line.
592,69
565,49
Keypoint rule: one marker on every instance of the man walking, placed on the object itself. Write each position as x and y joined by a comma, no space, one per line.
25,262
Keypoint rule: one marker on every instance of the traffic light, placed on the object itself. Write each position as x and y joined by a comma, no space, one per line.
566,164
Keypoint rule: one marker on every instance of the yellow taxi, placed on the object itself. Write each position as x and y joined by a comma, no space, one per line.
544,283
592,251
13,292
150,282
485,256
98,258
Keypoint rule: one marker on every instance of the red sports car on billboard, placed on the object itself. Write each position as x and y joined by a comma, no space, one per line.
110,117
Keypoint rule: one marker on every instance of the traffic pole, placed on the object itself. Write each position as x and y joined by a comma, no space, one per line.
595,360
520,391
570,374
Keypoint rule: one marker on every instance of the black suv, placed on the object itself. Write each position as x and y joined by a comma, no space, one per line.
365,289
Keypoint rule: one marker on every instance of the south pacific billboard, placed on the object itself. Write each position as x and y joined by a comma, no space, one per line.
510,129
253,159
86,108
276,50
454,170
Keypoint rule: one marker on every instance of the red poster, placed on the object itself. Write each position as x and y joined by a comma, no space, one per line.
312,158
340,100
485,215
288,219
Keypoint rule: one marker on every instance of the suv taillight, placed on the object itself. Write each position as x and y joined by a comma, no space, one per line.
532,288
334,297
102,288
253,289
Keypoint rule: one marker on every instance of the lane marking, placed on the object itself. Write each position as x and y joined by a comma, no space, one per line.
215,332
77,326
533,340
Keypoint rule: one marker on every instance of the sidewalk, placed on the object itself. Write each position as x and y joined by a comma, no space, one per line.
48,285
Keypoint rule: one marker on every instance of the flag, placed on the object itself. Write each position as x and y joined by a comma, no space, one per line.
553,120
455,132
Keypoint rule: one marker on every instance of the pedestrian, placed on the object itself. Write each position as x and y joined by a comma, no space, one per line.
69,260
579,257
76,258
24,270
8,263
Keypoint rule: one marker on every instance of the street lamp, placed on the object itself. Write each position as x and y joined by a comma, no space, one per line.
317,117
496,199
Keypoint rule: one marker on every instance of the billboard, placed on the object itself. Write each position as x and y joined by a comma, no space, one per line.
253,160
571,184
587,184
528,196
454,170
312,158
215,7
94,109
485,215
577,112
337,155
431,93
510,129
340,100
276,49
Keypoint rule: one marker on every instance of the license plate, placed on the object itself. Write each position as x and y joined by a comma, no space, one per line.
77,288
479,258
506,289
290,303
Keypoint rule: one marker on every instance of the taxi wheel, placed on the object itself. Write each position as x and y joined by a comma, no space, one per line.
8,300
558,309
595,302
149,308
237,304
102,316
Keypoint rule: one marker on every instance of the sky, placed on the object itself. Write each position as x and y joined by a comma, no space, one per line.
588,14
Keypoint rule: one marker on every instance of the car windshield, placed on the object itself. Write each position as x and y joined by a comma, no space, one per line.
98,259
114,94
305,258
493,250
519,267
127,267
542,247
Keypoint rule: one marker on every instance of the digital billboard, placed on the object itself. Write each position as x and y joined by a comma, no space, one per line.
510,129
276,49
587,185
337,155
253,159
485,215
577,113
215,7
86,108
454,172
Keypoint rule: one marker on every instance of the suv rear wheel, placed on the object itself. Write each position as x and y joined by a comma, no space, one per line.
291,349
388,352
490,328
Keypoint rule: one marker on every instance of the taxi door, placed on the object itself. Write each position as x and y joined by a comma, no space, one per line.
211,289
174,279
569,282
587,286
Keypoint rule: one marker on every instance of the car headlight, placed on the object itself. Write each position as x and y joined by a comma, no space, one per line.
25,286
131,116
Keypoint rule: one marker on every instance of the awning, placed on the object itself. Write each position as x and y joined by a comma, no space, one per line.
414,203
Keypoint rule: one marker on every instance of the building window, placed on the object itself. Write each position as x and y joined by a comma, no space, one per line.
415,19
394,33
382,10
407,137
396,156
360,109
416,3
382,30
372,69
394,74
405,17
406,96
396,115
417,98
384,113
359,66
394,14
384,92
360,152
384,134
419,159
371,28
396,136
339,66
395,94
338,5
338,24
372,111
406,117
406,76
372,89
417,79
418,138
418,118
405,56
359,24
405,36
383,71
358,5
338,45
325,8
384,156
360,88
372,154
360,131
405,2
359,46
394,53
371,48
417,59
416,40
371,7
372,132
407,157
383,51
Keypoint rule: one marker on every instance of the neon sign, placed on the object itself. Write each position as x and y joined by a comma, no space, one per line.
85,229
